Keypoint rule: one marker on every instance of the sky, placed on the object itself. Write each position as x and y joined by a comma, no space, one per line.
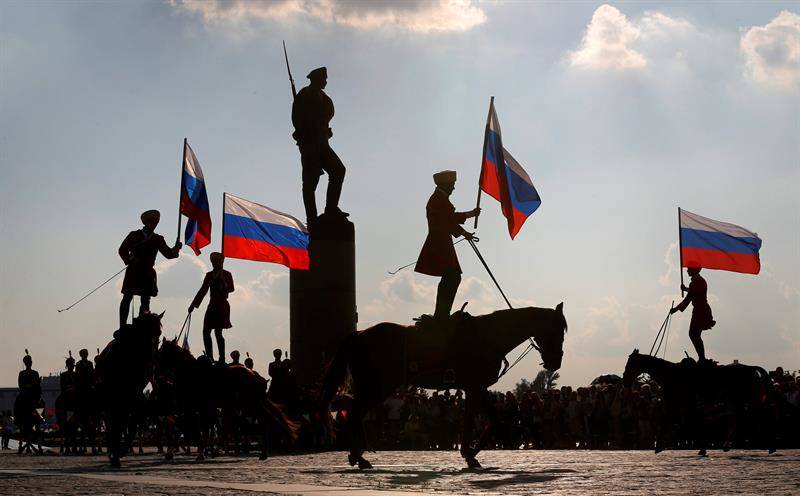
620,113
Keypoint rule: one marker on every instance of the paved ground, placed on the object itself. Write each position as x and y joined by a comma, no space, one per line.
405,472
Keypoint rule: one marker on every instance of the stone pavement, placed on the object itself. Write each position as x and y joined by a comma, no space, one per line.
411,472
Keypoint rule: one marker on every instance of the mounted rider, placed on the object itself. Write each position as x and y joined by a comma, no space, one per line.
68,379
84,370
438,256
702,319
138,251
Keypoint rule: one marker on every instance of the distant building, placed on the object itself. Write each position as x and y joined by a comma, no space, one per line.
51,388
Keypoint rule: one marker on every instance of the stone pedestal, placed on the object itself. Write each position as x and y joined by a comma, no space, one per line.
323,298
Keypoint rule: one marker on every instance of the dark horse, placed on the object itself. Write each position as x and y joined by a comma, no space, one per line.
77,408
734,392
467,356
123,370
201,387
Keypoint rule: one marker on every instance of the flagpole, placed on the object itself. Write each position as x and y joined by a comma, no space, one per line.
483,157
222,249
180,194
680,249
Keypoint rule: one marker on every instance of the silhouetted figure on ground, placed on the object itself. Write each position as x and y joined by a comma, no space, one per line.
438,256
28,399
702,320
84,370
312,112
277,373
235,359
138,251
219,282
68,379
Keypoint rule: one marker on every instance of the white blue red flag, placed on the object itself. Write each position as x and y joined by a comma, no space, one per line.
505,180
711,244
254,232
194,202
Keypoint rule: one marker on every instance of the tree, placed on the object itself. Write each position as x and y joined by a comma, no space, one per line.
543,381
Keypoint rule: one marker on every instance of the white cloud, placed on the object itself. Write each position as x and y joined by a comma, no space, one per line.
614,42
772,52
269,289
606,42
421,16
670,260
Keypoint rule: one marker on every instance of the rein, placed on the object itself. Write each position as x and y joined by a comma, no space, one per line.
531,347
662,332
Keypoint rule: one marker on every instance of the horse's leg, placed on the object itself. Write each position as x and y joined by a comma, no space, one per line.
358,437
470,409
114,438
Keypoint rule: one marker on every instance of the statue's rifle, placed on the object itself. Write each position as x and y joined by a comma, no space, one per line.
291,79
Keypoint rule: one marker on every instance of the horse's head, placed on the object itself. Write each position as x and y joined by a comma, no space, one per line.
632,368
551,343
148,326
171,356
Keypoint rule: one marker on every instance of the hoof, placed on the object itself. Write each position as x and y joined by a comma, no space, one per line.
115,462
772,450
702,452
200,457
659,449
364,464
263,456
472,462
168,456
352,459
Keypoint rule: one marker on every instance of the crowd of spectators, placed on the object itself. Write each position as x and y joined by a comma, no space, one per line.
602,416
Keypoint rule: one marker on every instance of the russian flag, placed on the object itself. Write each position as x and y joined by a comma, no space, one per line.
504,179
254,232
711,244
194,202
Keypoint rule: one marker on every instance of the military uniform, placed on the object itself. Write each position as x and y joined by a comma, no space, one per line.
68,380
84,371
30,385
312,112
438,255
218,312
138,251
702,319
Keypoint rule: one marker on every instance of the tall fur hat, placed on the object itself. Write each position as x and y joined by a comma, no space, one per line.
444,177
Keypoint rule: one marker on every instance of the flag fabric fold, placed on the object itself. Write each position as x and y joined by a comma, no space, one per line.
194,202
504,179
711,244
252,231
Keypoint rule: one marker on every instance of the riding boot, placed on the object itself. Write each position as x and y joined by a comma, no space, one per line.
124,309
446,294
207,344
310,204
144,305
220,344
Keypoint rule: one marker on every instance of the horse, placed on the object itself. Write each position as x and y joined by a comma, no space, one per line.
692,390
201,387
466,354
28,419
77,411
124,368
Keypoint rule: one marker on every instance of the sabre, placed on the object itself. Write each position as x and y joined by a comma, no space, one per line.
291,79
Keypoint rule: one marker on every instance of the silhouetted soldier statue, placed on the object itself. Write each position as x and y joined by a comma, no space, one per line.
138,251
219,282
312,112
438,256
702,320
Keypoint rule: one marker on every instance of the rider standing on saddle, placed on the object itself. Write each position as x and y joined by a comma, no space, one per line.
702,320
138,251
312,112
438,256
219,282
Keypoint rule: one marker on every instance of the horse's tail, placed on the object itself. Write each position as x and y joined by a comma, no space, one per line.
334,376
290,427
